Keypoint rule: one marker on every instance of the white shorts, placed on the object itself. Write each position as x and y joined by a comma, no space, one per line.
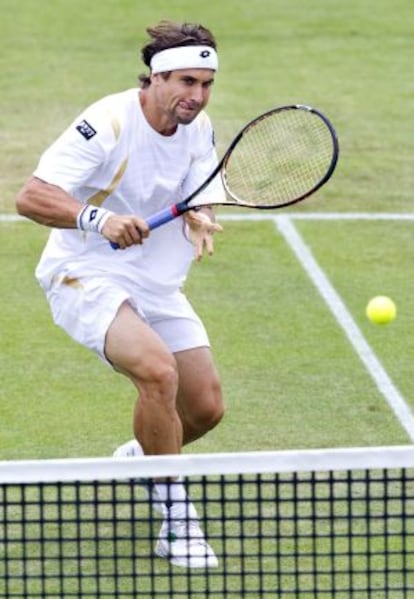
85,308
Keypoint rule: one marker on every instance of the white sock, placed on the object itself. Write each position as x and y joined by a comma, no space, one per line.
171,492
174,495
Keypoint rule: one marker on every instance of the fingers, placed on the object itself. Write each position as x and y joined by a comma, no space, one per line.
205,244
201,232
125,230
216,228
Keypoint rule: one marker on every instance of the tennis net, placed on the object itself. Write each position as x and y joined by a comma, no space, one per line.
292,524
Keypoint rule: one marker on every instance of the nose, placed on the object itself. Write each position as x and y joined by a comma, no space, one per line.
198,94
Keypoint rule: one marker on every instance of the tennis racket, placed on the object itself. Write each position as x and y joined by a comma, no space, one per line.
279,158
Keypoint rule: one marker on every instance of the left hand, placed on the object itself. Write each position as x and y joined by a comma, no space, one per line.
201,231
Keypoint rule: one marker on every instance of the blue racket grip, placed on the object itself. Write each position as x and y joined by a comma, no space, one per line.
163,216
160,218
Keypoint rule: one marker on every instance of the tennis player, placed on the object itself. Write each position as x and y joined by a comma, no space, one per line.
125,157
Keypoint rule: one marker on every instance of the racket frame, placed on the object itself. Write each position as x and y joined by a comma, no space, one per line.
335,154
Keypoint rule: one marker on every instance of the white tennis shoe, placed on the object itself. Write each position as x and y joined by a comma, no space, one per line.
183,543
132,449
181,539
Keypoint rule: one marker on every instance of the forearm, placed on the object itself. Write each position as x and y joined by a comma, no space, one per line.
48,204
52,206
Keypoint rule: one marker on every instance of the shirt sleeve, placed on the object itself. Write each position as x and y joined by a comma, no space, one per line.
73,158
204,162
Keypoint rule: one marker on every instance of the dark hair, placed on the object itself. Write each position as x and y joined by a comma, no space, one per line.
172,35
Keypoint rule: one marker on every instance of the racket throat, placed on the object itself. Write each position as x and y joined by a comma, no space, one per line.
179,209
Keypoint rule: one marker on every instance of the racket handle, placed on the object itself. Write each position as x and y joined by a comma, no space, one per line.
163,216
160,218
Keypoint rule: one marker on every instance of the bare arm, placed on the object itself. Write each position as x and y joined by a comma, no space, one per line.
48,204
52,206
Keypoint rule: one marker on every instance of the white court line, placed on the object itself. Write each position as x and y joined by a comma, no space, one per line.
11,218
269,215
334,302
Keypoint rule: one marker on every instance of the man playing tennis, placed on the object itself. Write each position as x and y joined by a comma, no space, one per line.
125,157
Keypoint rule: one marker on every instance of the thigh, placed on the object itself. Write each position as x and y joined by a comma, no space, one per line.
133,348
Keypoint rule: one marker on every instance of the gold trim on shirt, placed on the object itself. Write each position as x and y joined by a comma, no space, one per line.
100,196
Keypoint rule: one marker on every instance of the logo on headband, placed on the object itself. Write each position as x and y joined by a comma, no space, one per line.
205,53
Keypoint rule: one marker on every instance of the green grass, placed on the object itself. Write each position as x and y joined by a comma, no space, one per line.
350,59
290,375
278,348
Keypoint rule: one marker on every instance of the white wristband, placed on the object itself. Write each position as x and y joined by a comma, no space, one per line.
92,218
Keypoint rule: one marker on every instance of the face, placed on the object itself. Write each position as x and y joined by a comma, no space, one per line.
181,97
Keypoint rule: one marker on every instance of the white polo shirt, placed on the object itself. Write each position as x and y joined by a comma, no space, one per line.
110,156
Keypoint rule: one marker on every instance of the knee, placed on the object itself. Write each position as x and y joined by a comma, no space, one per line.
210,410
164,379
158,381
208,418
214,415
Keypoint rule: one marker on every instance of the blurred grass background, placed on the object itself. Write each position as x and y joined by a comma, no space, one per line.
291,378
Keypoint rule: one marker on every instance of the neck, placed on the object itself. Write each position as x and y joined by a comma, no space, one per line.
155,117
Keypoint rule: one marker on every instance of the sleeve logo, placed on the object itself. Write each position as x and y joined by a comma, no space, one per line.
86,130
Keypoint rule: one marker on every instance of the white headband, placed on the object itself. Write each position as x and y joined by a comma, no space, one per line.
184,57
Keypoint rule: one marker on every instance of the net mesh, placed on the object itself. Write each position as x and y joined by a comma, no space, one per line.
311,530
281,158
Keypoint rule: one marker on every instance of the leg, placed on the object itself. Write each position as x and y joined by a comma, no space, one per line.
148,363
137,352
199,399
200,407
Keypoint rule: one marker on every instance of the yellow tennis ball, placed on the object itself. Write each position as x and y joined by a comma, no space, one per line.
381,310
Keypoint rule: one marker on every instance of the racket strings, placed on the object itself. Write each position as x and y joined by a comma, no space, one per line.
280,158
